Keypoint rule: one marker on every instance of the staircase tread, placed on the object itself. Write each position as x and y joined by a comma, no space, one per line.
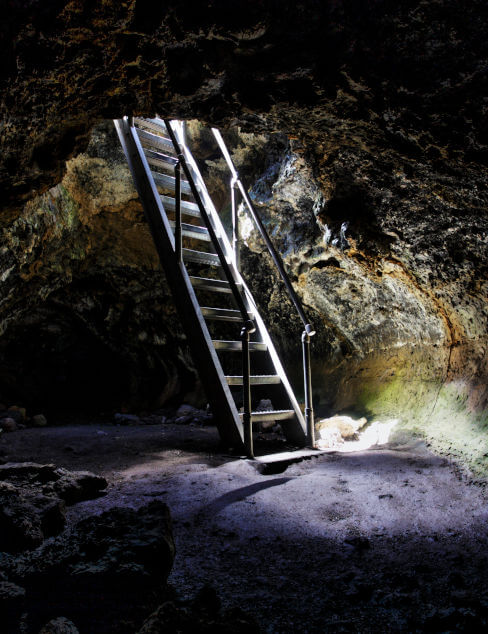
254,379
236,345
210,284
154,140
276,414
193,231
151,125
158,157
201,257
165,180
188,208
290,456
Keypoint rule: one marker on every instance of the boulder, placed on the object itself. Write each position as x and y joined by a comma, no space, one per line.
27,517
106,574
33,499
346,426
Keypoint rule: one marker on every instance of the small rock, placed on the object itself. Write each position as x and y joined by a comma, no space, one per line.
265,405
8,424
13,414
39,420
126,419
21,410
186,410
183,420
61,625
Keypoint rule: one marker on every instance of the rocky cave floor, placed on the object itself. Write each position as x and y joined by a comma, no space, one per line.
393,538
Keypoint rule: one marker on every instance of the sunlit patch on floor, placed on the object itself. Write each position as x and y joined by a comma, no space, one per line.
345,434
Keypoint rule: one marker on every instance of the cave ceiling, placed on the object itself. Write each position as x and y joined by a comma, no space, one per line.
367,74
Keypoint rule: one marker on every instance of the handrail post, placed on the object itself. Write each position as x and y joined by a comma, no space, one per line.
178,244
307,380
235,223
246,388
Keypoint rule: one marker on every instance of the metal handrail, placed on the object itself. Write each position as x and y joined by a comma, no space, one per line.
309,330
247,322
271,248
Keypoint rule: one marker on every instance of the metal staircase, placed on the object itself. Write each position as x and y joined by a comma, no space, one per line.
202,269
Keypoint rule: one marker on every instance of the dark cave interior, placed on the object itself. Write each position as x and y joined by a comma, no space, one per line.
359,128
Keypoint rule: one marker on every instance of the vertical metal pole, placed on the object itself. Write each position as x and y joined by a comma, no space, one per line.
307,379
246,383
235,223
178,249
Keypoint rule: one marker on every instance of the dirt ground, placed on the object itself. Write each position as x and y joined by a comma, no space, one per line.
393,538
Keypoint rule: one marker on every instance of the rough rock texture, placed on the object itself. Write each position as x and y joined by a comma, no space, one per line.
105,575
60,625
203,615
86,319
387,104
390,259
33,500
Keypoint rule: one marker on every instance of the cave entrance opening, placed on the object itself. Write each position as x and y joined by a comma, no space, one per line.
203,268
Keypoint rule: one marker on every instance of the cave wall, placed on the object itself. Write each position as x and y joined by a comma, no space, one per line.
86,319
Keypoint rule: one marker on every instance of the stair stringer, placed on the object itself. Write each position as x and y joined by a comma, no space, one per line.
211,374
295,430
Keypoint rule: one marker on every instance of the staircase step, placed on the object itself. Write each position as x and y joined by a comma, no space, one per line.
289,457
254,346
207,284
277,414
154,141
150,124
211,259
159,159
223,314
169,182
187,208
260,379
192,231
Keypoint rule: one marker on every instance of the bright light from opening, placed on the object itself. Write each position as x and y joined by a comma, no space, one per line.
375,434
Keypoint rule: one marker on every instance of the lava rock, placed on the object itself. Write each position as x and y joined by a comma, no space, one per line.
106,574
28,517
12,599
77,486
39,420
61,625
33,500
174,617
126,419
17,413
8,424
